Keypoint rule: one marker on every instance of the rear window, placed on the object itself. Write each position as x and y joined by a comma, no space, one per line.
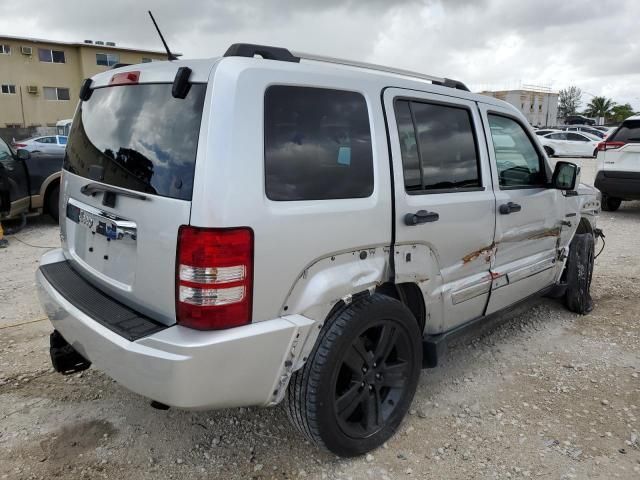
629,132
138,137
317,144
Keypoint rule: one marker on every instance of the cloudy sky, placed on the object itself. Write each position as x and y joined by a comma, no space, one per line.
488,44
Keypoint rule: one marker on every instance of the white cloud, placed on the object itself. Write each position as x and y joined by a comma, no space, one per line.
486,44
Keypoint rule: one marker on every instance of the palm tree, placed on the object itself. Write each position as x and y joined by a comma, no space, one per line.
600,107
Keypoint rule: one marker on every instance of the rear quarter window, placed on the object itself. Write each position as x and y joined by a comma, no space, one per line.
317,144
629,132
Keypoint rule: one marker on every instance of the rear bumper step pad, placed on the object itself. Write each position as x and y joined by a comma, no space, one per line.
93,302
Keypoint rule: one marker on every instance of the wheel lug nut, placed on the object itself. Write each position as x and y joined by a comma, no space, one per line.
375,364
364,369
362,384
370,387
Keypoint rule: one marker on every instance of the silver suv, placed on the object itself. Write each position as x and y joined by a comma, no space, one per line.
241,231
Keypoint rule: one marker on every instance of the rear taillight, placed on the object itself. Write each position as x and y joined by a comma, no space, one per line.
603,146
19,145
214,277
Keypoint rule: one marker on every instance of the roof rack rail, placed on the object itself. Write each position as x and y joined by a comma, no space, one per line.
265,51
282,54
447,82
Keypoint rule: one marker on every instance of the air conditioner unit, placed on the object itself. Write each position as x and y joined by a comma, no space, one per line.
32,89
26,50
99,42
110,44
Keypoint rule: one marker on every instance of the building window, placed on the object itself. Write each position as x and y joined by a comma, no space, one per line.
55,93
8,89
146,60
5,49
107,59
539,108
51,56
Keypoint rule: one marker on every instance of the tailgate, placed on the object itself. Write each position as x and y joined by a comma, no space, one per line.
127,185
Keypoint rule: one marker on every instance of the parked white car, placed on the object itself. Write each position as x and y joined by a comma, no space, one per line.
570,144
245,231
545,131
618,168
44,144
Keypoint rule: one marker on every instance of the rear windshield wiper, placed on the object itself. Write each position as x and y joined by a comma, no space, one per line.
93,188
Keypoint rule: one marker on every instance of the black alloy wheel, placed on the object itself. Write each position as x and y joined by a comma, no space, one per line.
360,378
372,379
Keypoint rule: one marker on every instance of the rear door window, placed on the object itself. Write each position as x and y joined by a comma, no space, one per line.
438,146
138,137
629,132
317,144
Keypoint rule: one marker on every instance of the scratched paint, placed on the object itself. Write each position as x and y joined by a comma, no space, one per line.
487,252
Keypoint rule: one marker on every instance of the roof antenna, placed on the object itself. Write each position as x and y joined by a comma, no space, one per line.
170,56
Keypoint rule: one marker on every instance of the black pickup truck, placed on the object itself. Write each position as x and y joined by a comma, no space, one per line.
29,182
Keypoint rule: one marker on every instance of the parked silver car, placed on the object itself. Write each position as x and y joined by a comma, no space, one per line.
241,231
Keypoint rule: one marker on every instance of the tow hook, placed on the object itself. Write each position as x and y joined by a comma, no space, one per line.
64,358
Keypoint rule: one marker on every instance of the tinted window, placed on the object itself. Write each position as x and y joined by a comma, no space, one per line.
576,137
438,147
317,144
557,136
138,137
408,147
629,132
518,162
62,140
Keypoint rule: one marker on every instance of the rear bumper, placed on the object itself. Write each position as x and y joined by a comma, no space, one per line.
625,185
179,366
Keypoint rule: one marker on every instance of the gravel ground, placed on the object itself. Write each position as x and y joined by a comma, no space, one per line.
544,394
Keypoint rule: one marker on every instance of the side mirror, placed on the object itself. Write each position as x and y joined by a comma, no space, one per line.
23,154
565,176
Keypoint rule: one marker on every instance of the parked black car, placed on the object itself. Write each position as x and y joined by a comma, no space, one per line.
29,182
578,120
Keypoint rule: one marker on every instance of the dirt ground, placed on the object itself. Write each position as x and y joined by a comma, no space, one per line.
545,394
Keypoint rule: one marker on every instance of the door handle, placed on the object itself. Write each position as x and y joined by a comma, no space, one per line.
507,208
421,216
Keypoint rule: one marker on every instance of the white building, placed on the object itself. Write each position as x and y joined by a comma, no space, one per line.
538,104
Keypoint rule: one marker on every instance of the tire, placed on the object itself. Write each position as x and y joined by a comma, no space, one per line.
52,204
549,151
336,377
610,204
579,274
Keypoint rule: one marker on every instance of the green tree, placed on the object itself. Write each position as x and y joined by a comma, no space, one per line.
600,107
621,112
569,101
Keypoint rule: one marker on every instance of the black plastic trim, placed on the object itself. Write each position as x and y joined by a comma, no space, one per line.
96,304
434,347
86,90
448,82
181,85
250,50
619,184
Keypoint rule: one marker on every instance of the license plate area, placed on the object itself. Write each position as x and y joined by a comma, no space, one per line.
103,243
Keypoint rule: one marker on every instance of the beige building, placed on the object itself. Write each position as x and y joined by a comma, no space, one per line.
538,104
40,79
